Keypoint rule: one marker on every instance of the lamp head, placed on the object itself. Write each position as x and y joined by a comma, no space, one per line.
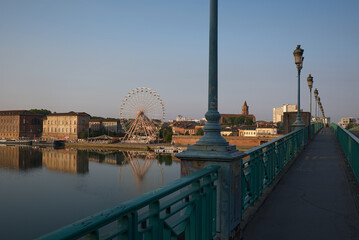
298,56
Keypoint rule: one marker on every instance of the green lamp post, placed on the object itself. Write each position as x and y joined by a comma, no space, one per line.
298,59
316,102
310,85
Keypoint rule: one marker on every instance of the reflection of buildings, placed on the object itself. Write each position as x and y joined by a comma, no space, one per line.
106,157
15,124
65,160
17,157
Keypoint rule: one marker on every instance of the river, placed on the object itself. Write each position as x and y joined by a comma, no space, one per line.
44,189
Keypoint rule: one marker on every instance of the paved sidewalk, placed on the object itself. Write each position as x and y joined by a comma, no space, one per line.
313,199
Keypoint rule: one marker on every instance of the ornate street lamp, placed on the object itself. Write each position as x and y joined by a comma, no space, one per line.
316,102
319,103
310,85
298,59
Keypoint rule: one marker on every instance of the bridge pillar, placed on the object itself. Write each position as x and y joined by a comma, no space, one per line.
229,203
213,149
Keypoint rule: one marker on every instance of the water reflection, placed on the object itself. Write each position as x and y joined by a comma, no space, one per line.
140,162
77,161
34,189
20,158
65,160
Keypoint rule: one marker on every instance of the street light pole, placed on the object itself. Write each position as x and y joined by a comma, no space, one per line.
318,107
212,130
310,85
298,58
316,102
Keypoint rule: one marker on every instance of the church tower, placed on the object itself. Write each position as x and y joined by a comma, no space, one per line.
245,109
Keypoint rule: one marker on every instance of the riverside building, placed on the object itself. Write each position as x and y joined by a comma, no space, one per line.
66,126
17,124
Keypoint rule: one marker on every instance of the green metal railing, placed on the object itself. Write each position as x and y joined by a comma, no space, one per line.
354,128
186,209
350,146
262,164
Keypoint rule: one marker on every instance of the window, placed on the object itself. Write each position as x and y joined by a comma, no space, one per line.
74,130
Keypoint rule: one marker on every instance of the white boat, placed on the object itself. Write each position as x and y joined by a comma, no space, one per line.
167,150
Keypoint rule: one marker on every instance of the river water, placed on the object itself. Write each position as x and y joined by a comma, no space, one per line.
45,189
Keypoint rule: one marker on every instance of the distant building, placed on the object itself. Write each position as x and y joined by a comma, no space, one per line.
247,131
66,126
278,112
15,124
229,131
110,125
344,122
245,113
180,128
180,118
267,130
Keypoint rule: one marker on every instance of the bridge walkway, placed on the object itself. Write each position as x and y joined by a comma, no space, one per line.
313,200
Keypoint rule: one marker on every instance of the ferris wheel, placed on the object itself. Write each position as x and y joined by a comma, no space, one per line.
141,114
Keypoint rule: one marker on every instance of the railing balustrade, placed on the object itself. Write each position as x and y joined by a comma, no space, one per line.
262,164
186,208
350,145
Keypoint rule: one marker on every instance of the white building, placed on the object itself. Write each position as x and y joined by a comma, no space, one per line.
267,131
344,122
180,118
279,111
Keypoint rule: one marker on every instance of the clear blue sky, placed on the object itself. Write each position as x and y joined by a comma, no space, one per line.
86,55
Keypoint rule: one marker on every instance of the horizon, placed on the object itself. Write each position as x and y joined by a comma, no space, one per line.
86,56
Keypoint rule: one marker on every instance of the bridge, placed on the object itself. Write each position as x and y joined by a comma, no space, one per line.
303,185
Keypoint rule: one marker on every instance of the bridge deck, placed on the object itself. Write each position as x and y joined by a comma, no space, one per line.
312,201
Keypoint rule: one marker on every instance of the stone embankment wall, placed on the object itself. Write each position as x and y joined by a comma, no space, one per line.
238,141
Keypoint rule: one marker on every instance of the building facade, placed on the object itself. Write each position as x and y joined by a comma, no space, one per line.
16,124
66,126
109,125
245,113
344,122
278,112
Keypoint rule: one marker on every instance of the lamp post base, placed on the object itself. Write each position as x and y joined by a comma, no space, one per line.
298,124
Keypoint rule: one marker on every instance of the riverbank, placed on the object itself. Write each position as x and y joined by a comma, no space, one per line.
119,146
132,146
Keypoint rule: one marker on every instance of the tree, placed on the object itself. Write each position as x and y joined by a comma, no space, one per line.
96,117
248,121
239,120
200,132
166,133
231,120
186,133
43,112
